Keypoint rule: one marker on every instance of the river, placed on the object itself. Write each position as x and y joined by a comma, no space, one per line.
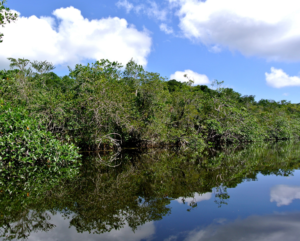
249,192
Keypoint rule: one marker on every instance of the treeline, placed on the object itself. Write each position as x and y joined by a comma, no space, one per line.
104,104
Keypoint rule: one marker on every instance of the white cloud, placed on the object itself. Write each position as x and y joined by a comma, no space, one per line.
274,227
199,79
171,238
74,39
155,12
197,198
278,79
125,4
268,28
215,49
151,9
284,195
165,28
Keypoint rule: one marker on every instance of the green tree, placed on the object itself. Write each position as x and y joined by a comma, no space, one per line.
133,75
42,68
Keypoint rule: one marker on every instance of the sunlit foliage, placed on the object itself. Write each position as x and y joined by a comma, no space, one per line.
104,105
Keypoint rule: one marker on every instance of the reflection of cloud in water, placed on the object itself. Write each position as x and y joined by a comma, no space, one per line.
64,232
196,198
284,195
275,227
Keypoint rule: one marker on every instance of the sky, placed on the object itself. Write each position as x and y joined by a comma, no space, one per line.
251,45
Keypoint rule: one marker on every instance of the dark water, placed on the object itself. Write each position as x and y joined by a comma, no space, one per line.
244,193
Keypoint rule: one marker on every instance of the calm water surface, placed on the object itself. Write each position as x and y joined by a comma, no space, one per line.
245,193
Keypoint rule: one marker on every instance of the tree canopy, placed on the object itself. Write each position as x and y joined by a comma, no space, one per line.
103,105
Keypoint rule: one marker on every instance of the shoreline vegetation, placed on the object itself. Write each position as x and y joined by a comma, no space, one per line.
104,105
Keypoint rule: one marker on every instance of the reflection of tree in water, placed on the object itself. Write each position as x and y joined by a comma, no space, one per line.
22,224
221,195
139,190
98,200
106,199
20,199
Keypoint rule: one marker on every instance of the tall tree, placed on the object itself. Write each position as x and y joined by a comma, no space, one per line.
133,75
6,16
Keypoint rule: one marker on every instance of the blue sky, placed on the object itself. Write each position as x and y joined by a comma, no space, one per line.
252,45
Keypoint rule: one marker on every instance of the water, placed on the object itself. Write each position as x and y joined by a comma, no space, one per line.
245,193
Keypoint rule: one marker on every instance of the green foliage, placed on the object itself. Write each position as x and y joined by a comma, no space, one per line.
174,85
6,16
25,146
101,105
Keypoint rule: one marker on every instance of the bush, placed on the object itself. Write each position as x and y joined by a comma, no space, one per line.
24,145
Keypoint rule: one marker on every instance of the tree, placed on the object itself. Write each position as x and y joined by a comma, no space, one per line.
6,16
133,75
21,64
42,68
174,85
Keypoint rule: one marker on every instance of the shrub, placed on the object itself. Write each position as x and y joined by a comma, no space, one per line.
25,146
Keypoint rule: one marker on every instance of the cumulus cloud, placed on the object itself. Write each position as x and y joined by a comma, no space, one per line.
199,79
268,28
275,227
284,195
278,79
197,198
165,28
73,39
151,9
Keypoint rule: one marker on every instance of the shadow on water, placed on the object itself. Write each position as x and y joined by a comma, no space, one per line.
108,191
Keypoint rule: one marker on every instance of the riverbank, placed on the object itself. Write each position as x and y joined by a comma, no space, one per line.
104,106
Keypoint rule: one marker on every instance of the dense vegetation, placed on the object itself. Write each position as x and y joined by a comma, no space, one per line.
103,104
29,151
44,119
